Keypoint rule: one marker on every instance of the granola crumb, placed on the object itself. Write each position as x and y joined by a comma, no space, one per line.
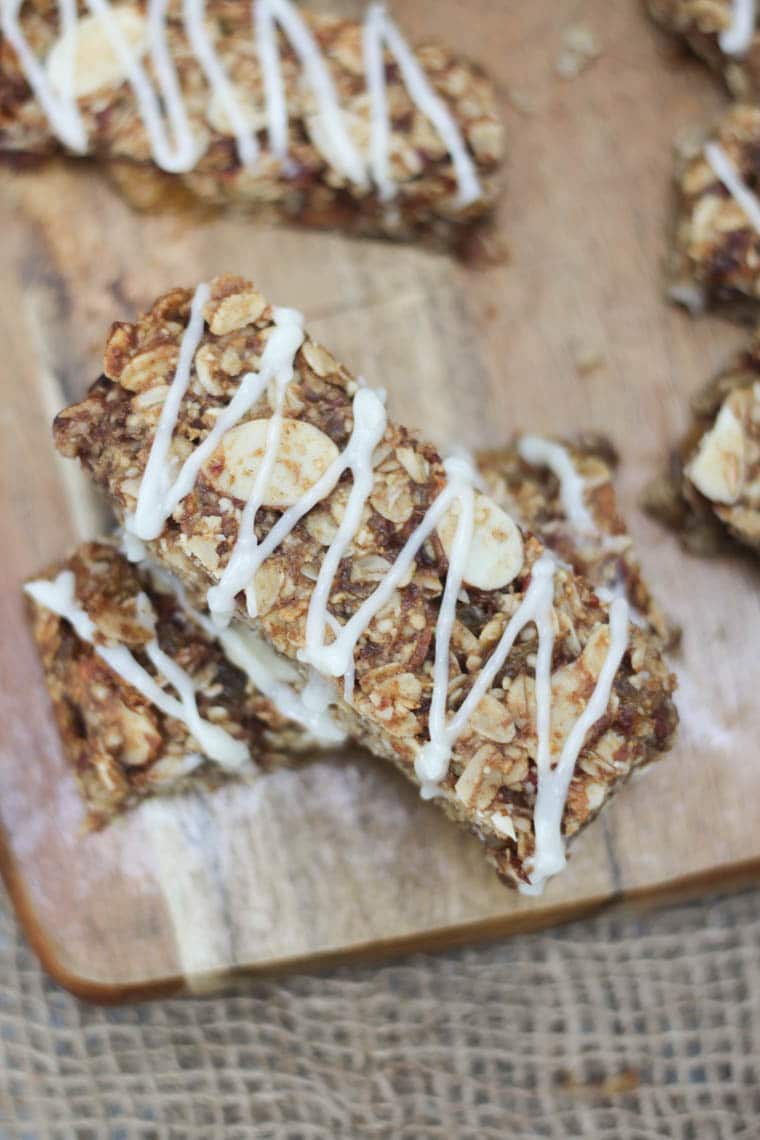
579,50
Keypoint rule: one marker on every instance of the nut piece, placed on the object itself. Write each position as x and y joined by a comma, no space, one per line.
717,469
95,64
303,456
496,553
149,368
234,312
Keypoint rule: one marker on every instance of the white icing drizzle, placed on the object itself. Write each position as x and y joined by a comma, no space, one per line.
60,108
537,601
277,364
336,658
553,783
183,155
271,674
182,152
380,31
245,139
132,547
369,426
156,486
342,152
724,169
737,38
59,596
160,497
540,452
252,554
433,760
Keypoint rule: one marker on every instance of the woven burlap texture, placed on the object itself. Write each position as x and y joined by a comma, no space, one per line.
631,1028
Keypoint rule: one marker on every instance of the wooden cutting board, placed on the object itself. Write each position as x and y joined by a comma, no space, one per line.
189,893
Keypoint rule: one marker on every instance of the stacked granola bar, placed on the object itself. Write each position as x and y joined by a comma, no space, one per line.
459,647
124,746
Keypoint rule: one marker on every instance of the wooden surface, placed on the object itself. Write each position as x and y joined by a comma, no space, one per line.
188,893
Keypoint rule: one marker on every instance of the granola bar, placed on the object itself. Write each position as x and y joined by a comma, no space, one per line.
307,117
721,32
255,467
98,621
716,254
713,482
564,492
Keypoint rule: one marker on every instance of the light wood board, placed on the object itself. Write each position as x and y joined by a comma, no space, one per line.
189,893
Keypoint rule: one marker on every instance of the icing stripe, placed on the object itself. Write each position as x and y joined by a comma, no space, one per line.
60,109
263,667
737,38
540,452
379,29
342,152
166,157
369,426
433,760
554,783
156,489
538,596
724,169
277,364
278,355
245,140
59,596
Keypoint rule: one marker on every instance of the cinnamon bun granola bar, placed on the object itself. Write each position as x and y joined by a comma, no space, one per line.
713,484
307,117
257,469
117,642
104,727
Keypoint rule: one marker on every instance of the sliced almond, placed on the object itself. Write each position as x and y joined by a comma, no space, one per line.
493,720
149,368
95,64
303,456
496,553
235,311
718,468
319,359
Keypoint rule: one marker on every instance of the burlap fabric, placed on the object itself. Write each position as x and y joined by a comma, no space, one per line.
622,1027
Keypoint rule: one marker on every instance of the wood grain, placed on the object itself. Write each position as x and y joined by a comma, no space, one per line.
189,893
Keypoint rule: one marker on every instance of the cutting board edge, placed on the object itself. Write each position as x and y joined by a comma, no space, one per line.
730,877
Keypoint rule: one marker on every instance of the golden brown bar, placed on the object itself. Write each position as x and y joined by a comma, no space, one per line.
713,483
305,138
121,746
490,782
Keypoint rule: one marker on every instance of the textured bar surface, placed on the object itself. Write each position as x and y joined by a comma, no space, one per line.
307,187
605,556
713,482
121,747
492,771
716,252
